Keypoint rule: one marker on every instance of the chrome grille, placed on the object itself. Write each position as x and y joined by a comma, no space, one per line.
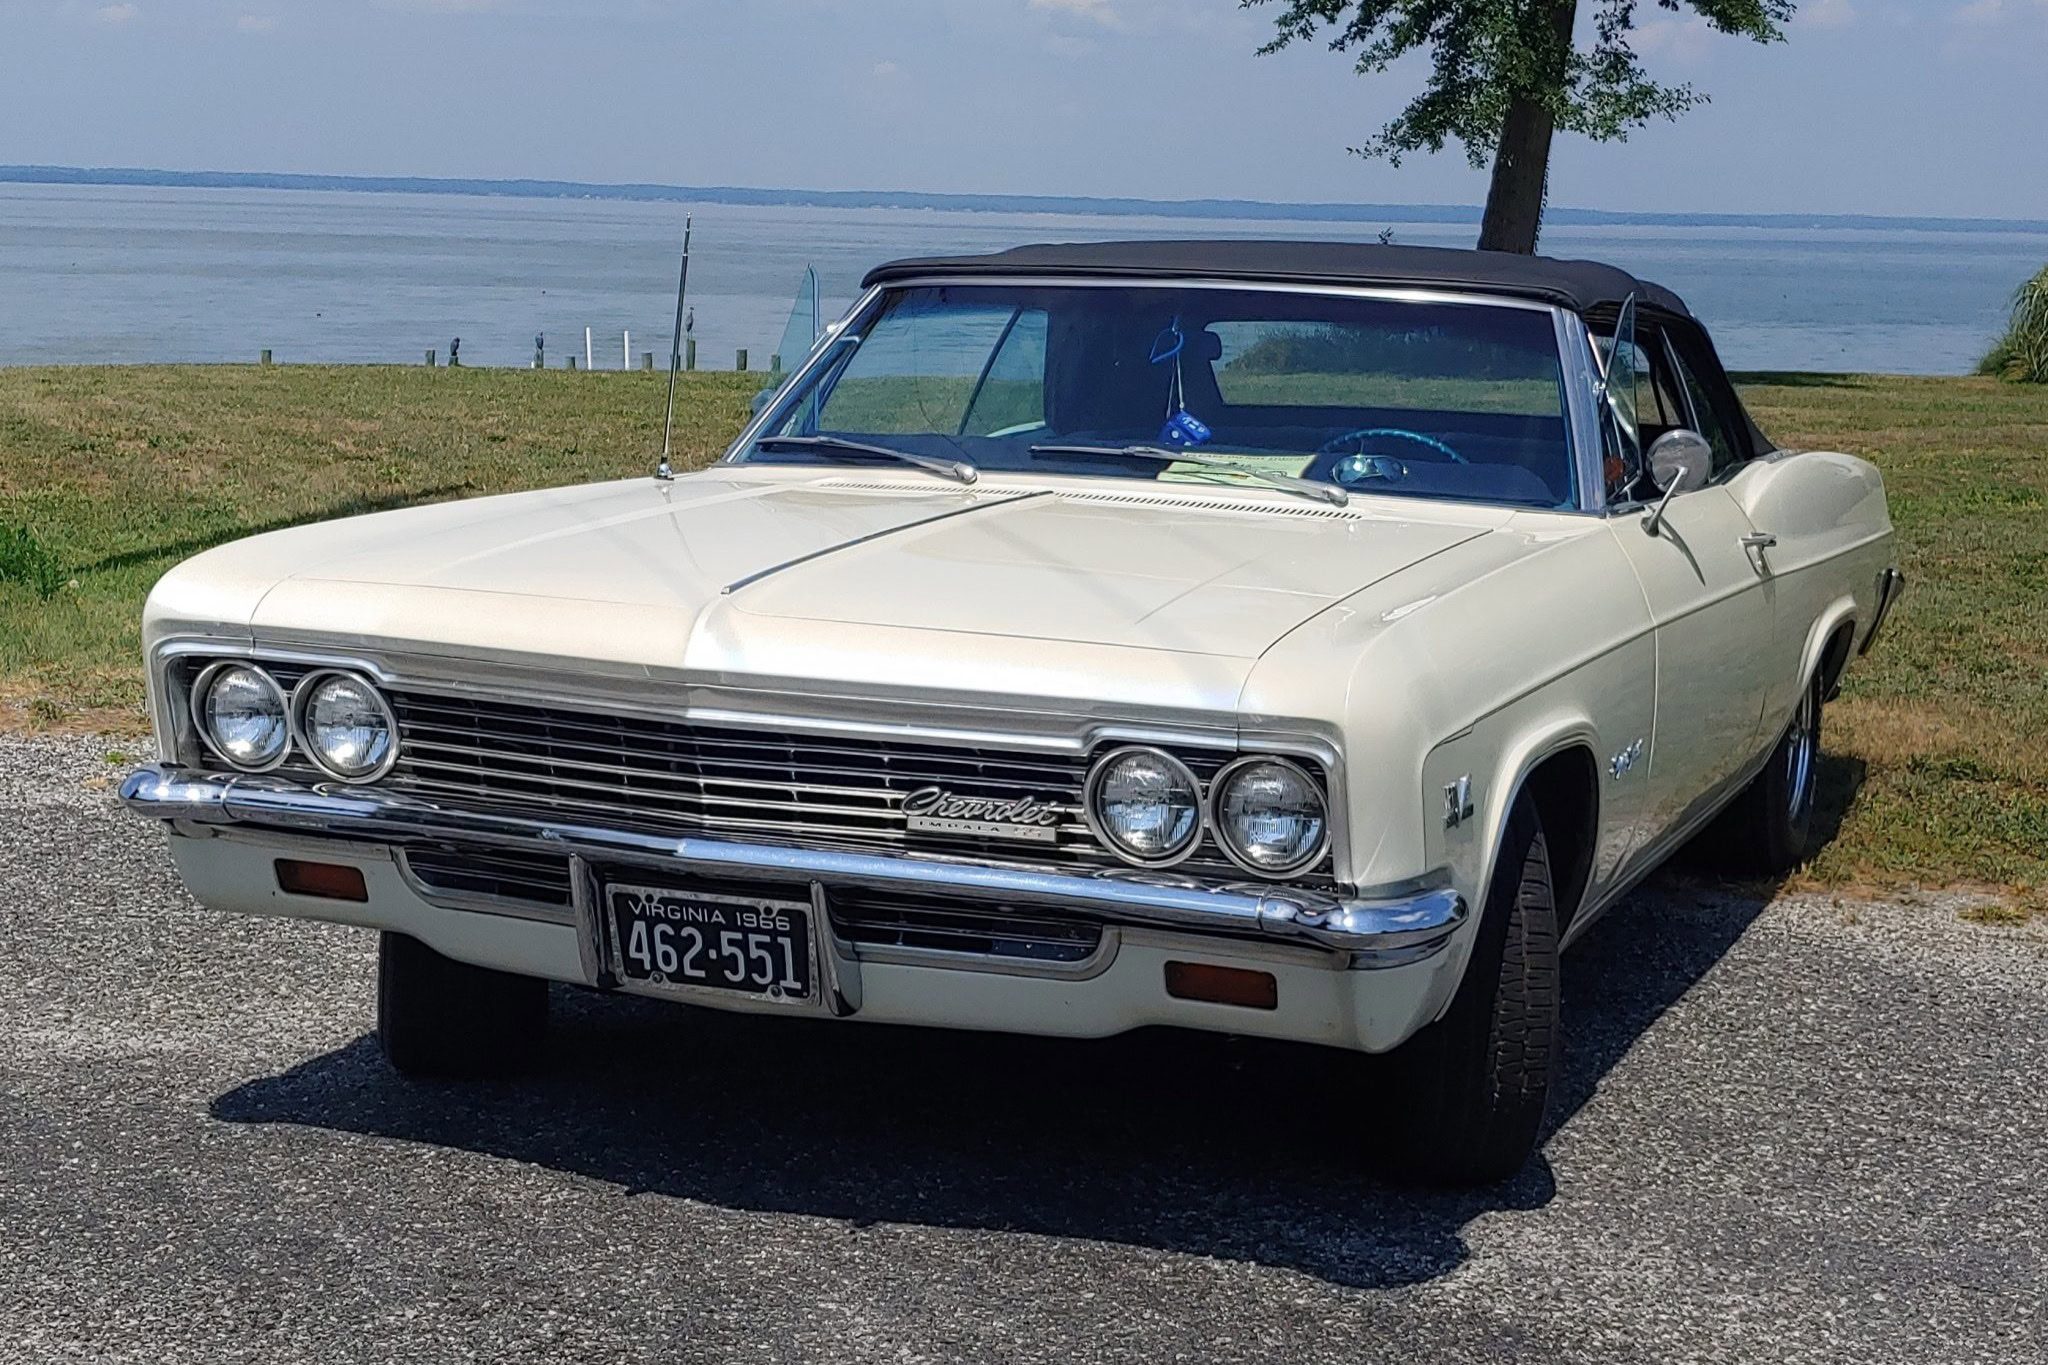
768,786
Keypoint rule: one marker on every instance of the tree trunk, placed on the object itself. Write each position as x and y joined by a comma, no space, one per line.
1521,165
1514,206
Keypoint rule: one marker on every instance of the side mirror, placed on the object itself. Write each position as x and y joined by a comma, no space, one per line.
763,398
1679,461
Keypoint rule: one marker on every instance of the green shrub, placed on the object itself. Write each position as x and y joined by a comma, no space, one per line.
2021,355
24,559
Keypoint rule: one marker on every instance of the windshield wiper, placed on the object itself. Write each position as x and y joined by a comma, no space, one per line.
1308,488
959,470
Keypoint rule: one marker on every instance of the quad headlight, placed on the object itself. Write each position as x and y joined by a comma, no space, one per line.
242,716
347,726
1271,817
1145,805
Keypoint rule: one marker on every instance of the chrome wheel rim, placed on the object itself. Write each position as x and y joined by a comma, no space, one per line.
1801,741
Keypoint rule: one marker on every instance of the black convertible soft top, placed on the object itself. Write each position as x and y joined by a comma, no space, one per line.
1582,286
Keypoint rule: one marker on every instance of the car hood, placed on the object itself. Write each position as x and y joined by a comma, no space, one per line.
867,580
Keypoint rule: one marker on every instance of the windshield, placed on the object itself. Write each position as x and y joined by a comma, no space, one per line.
1421,399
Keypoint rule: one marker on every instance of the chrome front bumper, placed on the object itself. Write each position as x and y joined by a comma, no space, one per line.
1378,931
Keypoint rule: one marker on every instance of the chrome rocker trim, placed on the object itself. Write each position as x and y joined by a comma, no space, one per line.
1376,931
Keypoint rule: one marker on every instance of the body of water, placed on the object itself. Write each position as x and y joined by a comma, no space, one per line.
93,274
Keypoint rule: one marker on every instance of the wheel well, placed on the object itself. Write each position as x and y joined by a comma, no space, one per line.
1834,658
1565,789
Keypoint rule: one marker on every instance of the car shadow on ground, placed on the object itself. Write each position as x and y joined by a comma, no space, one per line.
1170,1141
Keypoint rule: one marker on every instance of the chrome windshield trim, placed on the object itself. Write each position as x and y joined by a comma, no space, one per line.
1582,407
1374,930
1393,293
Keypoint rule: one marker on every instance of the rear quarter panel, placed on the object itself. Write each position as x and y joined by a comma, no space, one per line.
1834,536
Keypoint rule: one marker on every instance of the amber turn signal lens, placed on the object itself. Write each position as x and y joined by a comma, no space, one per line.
329,881
1222,985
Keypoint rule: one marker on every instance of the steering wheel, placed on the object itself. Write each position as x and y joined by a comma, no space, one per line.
1335,445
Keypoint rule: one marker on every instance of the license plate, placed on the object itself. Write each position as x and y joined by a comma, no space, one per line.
685,942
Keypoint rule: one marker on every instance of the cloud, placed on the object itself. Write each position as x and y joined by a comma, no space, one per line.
887,71
256,23
1100,11
444,6
116,15
1985,23
1990,13
1828,14
1683,41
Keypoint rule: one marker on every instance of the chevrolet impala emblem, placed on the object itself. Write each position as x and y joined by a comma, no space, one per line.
934,810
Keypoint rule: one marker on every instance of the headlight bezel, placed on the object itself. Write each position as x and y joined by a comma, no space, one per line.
202,689
302,734
1091,791
1219,789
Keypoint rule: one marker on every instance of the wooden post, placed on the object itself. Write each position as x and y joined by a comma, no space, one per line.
430,359
690,354
572,360
266,357
775,364
740,361
647,361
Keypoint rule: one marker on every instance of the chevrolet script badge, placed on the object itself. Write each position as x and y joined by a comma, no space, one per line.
934,810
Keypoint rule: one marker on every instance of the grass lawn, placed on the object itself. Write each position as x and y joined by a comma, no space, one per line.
1939,744
1938,748
119,473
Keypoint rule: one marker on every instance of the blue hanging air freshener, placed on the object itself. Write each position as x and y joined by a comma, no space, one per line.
1184,429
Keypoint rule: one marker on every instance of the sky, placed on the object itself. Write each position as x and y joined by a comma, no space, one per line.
1933,107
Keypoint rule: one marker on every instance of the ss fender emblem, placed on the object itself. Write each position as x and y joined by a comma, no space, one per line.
1625,761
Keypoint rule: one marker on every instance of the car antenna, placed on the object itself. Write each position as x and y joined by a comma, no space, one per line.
663,469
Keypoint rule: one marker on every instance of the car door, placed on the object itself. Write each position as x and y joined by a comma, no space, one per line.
1712,618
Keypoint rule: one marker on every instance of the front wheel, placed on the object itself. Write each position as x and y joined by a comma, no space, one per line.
1472,1088
1765,829
440,1017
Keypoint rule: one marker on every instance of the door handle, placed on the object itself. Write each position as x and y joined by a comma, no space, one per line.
1756,545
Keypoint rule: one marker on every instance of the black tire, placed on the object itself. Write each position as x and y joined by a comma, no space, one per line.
1471,1089
1764,830
437,1017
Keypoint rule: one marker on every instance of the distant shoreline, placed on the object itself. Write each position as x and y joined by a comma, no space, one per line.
1242,209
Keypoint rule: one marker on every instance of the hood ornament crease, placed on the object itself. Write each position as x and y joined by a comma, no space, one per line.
980,504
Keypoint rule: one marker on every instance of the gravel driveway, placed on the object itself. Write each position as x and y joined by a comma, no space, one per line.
1795,1131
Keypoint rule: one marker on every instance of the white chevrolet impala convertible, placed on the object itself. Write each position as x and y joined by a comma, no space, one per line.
1307,641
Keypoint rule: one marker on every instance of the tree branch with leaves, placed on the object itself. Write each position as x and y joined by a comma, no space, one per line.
1508,75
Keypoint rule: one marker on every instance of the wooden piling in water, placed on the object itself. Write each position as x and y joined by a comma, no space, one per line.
431,357
266,357
740,361
690,354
